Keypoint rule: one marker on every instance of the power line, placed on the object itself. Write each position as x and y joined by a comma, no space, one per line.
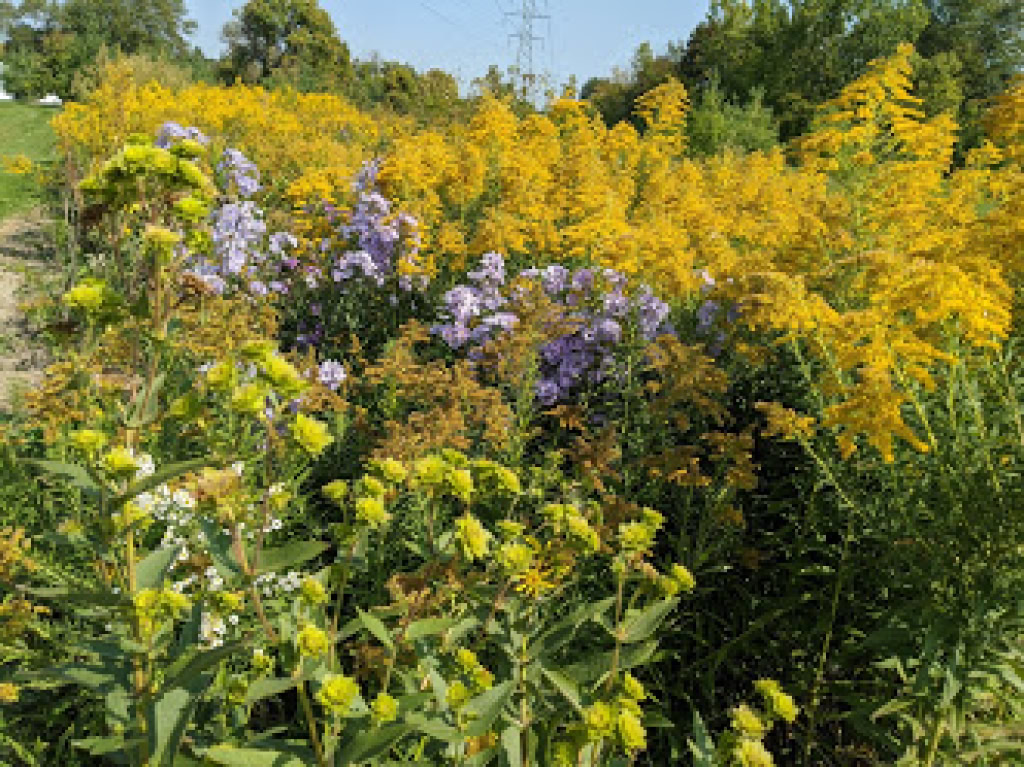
527,16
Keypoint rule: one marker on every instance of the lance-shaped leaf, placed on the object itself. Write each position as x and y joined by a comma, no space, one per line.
272,560
370,744
486,707
168,718
152,570
78,475
185,669
374,625
267,687
162,475
229,756
640,626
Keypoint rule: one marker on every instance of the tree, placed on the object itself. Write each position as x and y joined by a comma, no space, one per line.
48,41
285,41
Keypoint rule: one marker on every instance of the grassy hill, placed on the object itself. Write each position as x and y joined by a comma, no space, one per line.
24,131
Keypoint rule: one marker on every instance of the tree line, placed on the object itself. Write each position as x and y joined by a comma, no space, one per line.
756,69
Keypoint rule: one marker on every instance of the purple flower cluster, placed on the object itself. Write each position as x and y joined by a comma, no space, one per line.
709,314
171,133
595,304
331,374
379,237
237,169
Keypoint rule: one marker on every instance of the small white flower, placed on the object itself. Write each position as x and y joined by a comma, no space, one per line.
233,619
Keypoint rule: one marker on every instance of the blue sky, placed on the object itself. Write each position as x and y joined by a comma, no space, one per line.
583,37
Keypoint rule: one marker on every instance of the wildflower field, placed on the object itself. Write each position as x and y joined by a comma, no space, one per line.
520,439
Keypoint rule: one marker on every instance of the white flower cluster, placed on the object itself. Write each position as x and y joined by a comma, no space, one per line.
271,583
212,629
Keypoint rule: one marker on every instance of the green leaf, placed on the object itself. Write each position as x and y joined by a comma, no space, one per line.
511,742
428,627
69,597
152,570
598,665
105,745
220,548
290,555
168,718
160,476
701,745
564,685
145,405
268,686
646,623
374,625
370,744
181,674
486,707
77,474
229,756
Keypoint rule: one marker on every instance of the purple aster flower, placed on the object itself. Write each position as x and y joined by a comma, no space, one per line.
331,374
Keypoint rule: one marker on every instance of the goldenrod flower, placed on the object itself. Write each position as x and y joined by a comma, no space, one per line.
8,692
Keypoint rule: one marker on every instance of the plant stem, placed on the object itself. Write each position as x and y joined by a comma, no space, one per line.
307,711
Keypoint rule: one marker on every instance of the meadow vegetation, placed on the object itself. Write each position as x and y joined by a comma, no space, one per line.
521,438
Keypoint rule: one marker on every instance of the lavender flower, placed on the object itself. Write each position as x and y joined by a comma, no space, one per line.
331,374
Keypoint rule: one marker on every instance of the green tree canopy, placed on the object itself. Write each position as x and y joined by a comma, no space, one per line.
285,41
49,40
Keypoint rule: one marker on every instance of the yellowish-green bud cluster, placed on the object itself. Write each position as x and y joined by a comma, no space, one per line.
313,592
514,558
336,491
282,375
88,295
156,606
311,435
746,722
457,696
88,441
384,709
221,376
249,399
371,511
338,693
780,704
393,471
311,641
120,461
472,537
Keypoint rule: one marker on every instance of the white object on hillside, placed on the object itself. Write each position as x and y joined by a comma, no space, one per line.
50,100
4,95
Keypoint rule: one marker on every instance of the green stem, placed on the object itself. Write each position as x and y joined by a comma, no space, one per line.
307,711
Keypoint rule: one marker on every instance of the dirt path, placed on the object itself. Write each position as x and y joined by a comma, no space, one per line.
23,239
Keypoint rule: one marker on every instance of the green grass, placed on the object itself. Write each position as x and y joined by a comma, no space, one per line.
24,130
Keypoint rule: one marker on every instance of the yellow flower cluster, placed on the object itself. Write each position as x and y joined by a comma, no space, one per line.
858,242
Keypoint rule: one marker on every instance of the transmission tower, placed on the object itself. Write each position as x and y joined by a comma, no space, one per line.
527,16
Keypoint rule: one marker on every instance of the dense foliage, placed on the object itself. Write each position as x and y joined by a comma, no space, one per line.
523,439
